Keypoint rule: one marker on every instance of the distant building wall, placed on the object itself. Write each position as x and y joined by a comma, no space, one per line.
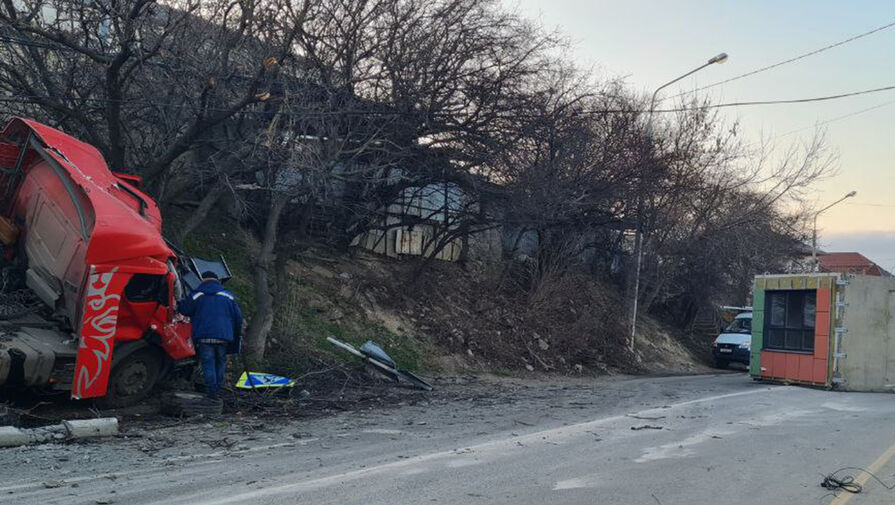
435,207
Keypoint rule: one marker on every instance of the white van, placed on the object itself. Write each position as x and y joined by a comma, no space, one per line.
734,344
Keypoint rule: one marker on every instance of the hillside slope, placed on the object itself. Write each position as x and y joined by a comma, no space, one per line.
448,318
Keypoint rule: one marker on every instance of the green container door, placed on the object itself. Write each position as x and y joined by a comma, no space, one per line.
757,330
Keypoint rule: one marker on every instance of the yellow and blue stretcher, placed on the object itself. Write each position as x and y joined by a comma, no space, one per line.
254,380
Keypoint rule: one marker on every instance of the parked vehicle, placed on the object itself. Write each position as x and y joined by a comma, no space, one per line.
88,285
734,344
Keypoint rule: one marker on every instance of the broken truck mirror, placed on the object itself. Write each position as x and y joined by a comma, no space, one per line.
196,265
218,266
373,355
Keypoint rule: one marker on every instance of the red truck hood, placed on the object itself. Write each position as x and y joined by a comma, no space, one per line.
120,233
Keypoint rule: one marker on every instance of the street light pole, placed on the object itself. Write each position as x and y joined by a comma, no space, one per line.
814,264
638,241
720,58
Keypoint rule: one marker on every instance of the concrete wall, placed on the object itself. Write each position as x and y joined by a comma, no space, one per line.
869,342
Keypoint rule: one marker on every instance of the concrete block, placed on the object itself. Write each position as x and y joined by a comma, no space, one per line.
10,436
87,428
46,434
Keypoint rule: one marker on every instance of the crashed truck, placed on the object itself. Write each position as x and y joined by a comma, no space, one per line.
88,284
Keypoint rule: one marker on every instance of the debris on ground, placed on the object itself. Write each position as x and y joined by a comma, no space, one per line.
89,428
188,404
11,436
382,362
646,427
9,416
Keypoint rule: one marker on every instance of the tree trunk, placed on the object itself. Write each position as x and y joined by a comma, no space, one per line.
198,217
264,283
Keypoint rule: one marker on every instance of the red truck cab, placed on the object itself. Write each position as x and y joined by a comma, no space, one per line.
89,247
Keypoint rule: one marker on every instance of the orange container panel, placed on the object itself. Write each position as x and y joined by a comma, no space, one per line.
806,367
820,371
802,366
792,366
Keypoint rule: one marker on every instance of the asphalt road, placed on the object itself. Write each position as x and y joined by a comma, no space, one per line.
681,440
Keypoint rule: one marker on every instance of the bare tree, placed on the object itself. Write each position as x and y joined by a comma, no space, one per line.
145,82
385,97
336,110
720,211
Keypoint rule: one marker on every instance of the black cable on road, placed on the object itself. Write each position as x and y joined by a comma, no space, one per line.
848,483
845,483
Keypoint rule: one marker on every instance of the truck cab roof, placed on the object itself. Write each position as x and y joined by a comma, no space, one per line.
120,224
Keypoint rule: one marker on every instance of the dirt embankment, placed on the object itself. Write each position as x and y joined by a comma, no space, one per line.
453,318
450,323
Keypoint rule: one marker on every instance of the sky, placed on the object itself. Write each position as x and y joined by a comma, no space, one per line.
650,42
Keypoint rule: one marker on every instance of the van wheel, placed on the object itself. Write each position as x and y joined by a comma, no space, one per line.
132,379
720,363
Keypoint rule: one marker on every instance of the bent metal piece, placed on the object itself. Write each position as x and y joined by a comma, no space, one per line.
391,371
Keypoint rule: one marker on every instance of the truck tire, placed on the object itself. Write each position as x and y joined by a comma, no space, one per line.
188,403
132,379
720,363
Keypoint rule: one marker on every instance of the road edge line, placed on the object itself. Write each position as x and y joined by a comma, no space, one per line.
862,479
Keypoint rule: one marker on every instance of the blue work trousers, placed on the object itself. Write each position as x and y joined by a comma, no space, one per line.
213,358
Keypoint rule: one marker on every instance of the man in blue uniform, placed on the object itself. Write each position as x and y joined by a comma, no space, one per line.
217,328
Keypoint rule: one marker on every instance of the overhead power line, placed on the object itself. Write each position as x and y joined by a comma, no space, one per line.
759,102
39,99
780,102
837,118
870,204
791,60
56,46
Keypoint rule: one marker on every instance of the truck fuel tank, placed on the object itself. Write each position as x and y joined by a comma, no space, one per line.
27,355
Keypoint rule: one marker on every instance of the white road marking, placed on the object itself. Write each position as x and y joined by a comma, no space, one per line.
680,448
382,431
576,483
460,463
493,447
685,447
841,407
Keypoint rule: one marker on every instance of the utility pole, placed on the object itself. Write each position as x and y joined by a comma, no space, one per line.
638,241
814,264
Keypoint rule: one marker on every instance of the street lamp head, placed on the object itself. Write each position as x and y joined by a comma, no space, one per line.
720,58
851,194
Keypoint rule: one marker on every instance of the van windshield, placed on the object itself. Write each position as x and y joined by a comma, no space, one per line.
741,325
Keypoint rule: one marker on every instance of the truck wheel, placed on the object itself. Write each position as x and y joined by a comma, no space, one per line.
720,363
132,379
